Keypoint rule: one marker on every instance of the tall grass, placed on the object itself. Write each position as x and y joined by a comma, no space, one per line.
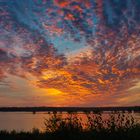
95,126
58,123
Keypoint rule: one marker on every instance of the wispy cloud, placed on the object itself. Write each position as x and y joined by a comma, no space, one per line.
100,63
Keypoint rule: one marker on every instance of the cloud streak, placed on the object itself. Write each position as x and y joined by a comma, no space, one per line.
105,66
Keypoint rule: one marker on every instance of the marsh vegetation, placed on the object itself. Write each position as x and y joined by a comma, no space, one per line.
95,126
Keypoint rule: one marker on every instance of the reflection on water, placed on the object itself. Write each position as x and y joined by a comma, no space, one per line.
26,121
21,121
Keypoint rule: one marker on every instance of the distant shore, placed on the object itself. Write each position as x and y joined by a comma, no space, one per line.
68,109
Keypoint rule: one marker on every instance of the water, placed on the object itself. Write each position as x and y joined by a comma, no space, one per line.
21,121
27,121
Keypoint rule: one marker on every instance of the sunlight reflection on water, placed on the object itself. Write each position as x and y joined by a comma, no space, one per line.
27,120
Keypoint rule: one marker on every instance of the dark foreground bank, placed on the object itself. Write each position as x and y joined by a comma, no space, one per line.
118,126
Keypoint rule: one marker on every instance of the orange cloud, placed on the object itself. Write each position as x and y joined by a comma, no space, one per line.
62,3
104,70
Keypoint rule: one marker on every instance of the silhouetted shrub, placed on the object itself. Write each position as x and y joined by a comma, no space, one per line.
116,125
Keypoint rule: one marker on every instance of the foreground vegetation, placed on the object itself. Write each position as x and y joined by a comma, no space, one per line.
117,126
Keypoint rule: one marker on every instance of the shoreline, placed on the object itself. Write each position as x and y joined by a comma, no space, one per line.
68,109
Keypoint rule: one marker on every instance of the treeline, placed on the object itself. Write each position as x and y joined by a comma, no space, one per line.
68,109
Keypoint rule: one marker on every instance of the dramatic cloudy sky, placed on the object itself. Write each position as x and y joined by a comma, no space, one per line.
69,52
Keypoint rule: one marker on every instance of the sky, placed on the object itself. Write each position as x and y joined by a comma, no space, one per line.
69,52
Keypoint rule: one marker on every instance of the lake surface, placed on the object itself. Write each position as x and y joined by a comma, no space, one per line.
27,120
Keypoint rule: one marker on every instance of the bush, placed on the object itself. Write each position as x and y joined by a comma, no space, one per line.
117,125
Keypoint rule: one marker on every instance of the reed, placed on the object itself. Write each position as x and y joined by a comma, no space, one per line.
118,125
